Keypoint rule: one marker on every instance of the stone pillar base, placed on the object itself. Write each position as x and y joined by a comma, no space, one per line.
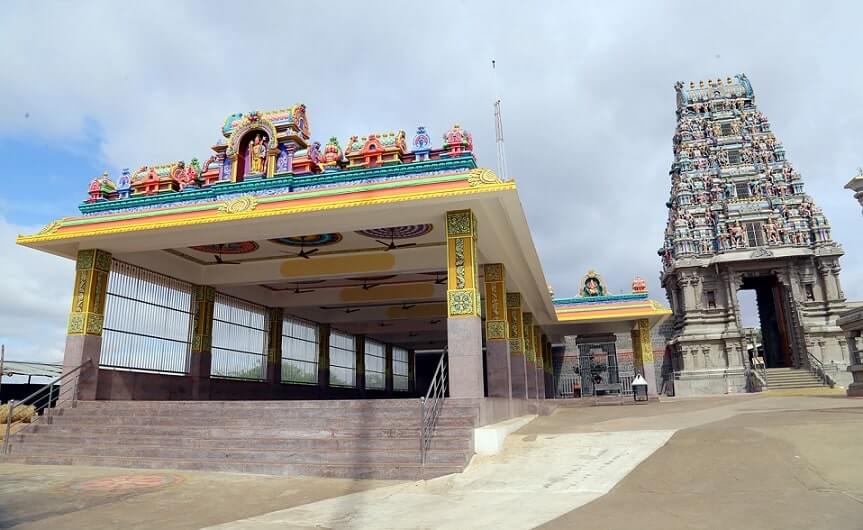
531,381
199,373
464,347
540,383
855,389
519,378
80,349
498,368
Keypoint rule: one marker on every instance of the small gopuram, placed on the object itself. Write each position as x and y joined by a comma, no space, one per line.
592,360
739,218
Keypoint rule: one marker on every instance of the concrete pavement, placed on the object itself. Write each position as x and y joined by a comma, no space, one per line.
725,462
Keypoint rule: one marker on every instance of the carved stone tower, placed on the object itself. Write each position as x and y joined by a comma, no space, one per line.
738,218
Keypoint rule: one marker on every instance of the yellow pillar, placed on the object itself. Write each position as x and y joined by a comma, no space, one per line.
642,353
464,326
88,300
515,334
201,360
86,318
497,361
462,277
529,354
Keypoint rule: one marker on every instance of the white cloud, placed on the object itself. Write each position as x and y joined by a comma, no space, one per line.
35,296
587,94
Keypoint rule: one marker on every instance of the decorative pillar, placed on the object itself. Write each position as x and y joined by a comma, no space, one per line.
496,343
529,355
515,333
274,349
84,331
323,360
642,352
200,358
548,365
538,339
464,327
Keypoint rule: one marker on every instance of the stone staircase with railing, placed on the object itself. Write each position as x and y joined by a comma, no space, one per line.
780,378
376,439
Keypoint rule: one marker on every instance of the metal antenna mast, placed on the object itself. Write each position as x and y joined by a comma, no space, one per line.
502,170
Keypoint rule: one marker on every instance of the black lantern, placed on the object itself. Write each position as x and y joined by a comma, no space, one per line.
639,389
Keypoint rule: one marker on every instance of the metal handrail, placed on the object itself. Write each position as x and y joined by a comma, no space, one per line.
431,404
817,368
43,401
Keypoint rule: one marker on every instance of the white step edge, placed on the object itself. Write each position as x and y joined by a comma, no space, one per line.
489,440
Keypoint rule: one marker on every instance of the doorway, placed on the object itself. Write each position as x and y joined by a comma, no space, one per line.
773,319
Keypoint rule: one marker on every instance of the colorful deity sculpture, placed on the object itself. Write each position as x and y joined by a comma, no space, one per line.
592,285
457,141
257,155
100,188
639,285
186,176
332,155
124,184
421,144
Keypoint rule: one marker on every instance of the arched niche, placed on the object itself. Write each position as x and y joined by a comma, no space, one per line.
255,132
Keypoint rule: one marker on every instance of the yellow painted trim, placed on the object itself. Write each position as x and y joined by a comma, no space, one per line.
353,264
213,216
387,292
423,310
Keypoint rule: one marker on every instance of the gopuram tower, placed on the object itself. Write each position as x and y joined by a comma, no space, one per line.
738,219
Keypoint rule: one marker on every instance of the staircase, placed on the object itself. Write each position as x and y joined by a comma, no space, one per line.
374,439
778,378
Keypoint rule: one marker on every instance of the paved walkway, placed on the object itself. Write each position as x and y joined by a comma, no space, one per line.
727,462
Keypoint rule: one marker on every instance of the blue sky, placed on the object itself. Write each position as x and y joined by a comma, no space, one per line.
588,107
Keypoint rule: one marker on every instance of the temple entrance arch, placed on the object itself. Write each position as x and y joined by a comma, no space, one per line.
775,323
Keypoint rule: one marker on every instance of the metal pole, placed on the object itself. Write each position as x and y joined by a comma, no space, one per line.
2,359
11,405
50,399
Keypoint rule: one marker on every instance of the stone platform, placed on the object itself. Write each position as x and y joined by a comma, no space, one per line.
377,439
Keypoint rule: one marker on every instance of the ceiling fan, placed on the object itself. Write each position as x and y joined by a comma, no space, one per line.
435,321
408,306
297,289
303,253
345,309
392,244
366,286
222,261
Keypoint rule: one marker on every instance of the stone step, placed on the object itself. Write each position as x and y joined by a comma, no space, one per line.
348,421
400,471
248,432
144,440
276,414
261,456
281,405
774,386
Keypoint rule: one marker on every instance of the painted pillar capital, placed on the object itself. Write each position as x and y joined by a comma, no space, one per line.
204,297
529,343
515,329
462,274
495,298
87,315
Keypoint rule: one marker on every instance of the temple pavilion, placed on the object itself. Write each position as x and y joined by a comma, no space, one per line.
278,268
